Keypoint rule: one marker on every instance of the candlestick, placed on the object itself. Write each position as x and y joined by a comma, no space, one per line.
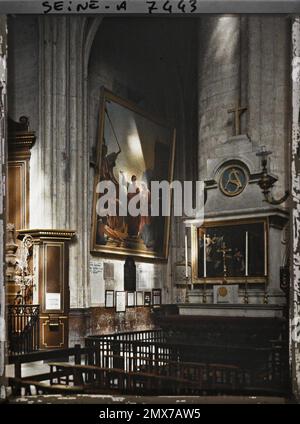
265,255
204,255
246,256
186,255
246,297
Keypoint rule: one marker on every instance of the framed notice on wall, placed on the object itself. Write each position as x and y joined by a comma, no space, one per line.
130,299
53,301
147,298
120,301
109,298
156,296
139,298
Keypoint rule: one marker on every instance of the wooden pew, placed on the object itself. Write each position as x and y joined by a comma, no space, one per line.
126,382
43,388
208,376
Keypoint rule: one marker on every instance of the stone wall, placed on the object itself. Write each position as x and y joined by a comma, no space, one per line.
245,60
149,64
58,65
218,76
100,320
23,68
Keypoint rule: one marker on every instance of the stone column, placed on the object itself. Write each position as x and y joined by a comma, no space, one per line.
219,82
3,118
269,91
63,148
295,275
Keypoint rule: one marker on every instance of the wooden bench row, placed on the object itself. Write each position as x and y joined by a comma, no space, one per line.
123,381
93,379
106,372
200,372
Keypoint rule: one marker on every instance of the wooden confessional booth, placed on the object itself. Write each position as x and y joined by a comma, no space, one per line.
37,275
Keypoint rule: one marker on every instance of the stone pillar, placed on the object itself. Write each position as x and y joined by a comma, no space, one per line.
3,118
219,82
268,92
295,280
63,148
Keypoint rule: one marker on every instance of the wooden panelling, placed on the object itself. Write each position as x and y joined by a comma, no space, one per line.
52,263
20,141
53,274
18,193
54,332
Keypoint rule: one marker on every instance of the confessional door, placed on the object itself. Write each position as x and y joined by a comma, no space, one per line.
51,271
54,296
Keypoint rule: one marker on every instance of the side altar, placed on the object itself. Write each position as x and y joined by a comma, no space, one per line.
239,254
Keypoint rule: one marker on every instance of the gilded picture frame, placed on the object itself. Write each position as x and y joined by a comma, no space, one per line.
254,269
132,146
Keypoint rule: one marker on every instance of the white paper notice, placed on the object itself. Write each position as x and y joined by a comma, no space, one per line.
53,301
120,301
96,283
144,276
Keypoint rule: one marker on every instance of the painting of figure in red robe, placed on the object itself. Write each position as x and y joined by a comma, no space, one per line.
134,150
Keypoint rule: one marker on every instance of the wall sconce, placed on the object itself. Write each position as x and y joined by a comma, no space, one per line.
266,181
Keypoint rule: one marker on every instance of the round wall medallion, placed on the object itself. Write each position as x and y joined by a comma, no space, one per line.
233,180
223,291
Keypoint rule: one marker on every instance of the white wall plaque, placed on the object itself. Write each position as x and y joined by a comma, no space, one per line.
226,293
108,271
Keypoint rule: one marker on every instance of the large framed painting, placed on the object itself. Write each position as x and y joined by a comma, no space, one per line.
230,251
134,149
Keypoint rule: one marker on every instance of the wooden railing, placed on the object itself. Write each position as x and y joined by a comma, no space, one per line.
18,381
23,328
145,376
125,363
259,368
155,335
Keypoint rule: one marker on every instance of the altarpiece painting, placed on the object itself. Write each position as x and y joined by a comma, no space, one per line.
236,250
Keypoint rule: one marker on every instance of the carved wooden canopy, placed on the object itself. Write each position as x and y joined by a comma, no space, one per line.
20,138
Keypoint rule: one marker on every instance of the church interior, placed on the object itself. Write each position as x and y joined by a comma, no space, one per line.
175,305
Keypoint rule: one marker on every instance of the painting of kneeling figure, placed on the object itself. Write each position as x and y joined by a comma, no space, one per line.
133,151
